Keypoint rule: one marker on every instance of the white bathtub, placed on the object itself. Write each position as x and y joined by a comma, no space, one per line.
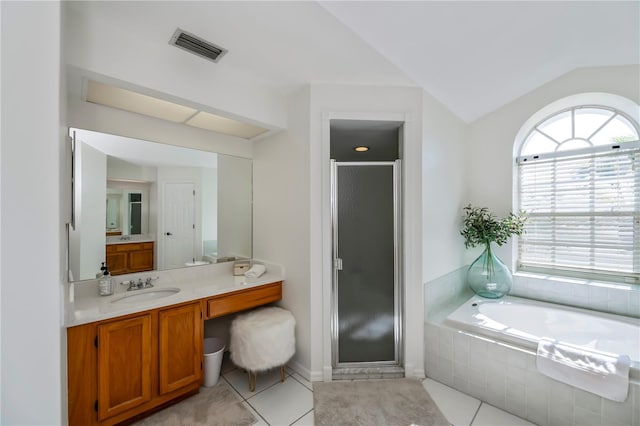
523,322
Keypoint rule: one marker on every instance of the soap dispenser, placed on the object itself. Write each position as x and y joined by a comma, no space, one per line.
101,271
105,285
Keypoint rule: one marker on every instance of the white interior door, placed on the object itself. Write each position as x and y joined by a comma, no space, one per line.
179,220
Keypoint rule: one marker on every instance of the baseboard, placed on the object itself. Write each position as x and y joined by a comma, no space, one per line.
326,374
300,369
419,373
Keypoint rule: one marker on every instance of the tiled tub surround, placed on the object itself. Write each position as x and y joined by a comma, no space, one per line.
523,322
504,374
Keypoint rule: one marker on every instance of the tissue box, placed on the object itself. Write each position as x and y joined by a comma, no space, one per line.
239,268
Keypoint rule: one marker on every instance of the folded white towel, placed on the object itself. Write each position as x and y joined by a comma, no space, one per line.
255,271
597,372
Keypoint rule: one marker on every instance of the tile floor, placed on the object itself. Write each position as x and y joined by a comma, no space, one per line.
291,403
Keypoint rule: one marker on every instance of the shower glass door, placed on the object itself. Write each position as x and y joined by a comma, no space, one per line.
366,310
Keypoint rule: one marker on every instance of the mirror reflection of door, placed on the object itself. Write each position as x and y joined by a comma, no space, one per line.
113,213
179,224
135,213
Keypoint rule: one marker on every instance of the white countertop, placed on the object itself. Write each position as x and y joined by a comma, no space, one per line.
118,239
84,305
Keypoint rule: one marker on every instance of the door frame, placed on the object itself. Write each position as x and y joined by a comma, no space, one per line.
397,264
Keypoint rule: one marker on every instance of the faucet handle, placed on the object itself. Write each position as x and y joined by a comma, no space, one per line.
131,283
147,282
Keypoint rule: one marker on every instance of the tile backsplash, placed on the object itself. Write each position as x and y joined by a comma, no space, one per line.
445,290
617,298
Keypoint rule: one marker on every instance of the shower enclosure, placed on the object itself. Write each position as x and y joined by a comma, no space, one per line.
366,315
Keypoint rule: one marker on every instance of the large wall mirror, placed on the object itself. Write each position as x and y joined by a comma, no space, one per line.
194,206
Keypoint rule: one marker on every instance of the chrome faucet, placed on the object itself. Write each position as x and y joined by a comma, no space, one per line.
139,285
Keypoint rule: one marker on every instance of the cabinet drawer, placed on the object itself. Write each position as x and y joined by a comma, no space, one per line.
243,299
129,247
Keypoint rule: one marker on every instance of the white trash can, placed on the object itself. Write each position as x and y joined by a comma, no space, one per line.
213,352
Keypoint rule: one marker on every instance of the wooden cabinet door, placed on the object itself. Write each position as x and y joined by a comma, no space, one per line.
180,346
124,365
141,260
82,377
129,257
117,262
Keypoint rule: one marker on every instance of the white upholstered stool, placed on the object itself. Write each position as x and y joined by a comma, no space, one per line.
262,339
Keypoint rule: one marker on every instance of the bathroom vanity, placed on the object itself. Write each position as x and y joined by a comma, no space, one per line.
124,361
124,258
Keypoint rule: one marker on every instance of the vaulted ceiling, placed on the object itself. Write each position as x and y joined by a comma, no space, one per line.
472,56
475,56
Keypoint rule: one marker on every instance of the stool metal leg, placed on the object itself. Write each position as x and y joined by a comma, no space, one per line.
253,378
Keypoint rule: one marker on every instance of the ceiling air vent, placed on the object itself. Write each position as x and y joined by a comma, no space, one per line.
196,45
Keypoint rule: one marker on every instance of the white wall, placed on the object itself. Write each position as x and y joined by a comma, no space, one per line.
444,180
120,169
96,45
490,142
32,380
210,204
281,217
234,206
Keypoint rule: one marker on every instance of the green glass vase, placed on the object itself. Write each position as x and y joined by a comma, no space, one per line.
488,276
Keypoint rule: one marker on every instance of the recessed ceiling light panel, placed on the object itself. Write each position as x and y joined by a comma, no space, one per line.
115,97
208,121
127,100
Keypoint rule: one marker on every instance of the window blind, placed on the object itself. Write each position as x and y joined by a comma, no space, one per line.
584,211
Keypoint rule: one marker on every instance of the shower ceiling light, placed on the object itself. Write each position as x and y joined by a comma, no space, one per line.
361,149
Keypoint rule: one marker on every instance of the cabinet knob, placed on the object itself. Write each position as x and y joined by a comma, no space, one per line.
168,233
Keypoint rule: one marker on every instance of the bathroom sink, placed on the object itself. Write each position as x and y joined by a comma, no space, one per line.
197,263
145,295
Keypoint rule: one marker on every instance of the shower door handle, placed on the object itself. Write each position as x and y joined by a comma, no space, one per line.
337,264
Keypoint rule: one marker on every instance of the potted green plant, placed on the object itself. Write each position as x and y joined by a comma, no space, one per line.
488,276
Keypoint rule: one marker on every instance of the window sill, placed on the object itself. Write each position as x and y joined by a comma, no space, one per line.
577,281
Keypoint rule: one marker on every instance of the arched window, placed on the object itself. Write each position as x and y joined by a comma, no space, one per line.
578,178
